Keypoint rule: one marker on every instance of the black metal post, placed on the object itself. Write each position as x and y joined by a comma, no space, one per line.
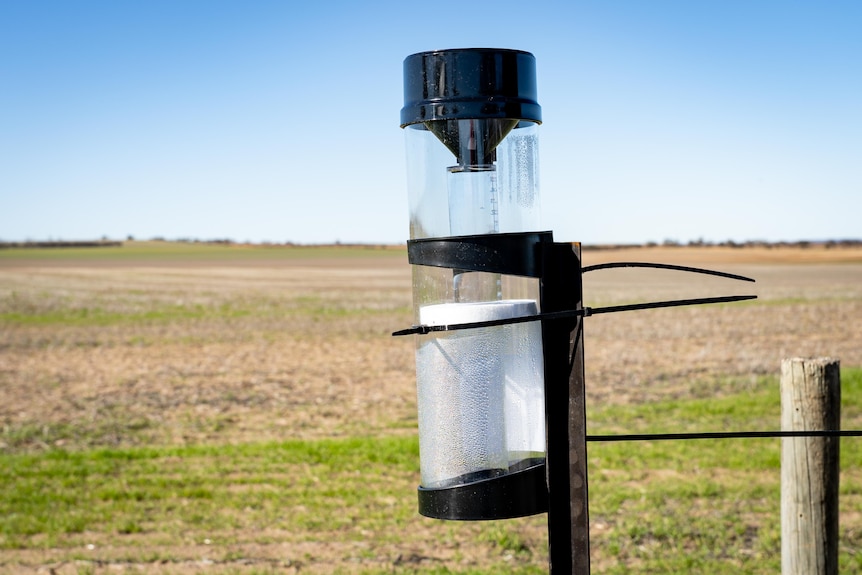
565,412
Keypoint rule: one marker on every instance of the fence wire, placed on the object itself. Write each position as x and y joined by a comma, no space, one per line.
722,435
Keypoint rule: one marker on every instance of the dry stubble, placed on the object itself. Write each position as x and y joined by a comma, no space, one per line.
302,350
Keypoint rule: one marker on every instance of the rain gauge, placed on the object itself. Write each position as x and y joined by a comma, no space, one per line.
498,306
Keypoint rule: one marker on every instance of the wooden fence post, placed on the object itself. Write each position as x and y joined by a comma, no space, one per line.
810,401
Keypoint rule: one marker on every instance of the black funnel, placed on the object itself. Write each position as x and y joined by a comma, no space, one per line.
472,141
470,98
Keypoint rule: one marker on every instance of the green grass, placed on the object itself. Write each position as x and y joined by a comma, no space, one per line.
711,506
163,251
307,486
99,317
19,310
131,307
704,506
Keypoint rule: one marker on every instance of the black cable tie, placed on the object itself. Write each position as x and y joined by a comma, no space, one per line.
426,329
671,303
584,312
664,267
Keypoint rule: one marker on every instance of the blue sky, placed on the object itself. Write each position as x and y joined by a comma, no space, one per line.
278,121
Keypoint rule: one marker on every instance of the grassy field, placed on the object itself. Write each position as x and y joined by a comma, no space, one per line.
229,409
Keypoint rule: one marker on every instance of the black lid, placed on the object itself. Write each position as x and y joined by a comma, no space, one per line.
470,83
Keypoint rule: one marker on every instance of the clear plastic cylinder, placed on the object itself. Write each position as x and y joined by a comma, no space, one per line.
480,391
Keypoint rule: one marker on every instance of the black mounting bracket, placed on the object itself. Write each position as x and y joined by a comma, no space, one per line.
557,485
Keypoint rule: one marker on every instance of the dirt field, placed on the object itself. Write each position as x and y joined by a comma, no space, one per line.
809,304
301,347
97,352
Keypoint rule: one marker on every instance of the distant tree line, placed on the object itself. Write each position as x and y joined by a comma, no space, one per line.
62,244
764,244
104,242
803,244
